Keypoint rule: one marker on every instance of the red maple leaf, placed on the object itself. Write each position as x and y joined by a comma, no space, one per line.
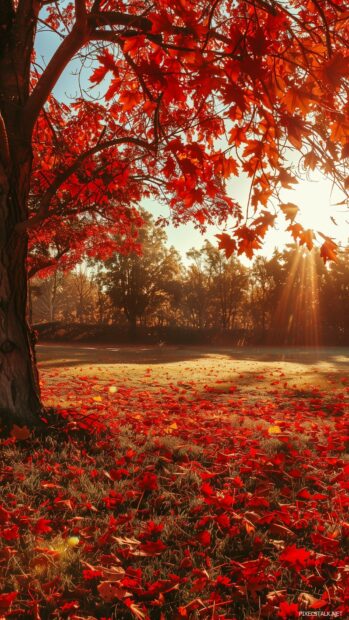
288,610
204,538
7,599
227,244
148,482
294,556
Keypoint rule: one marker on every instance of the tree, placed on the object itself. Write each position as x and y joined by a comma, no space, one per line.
174,78
141,285
266,285
70,297
214,289
196,291
46,296
334,298
227,287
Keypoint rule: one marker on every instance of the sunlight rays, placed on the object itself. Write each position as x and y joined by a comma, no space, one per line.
297,315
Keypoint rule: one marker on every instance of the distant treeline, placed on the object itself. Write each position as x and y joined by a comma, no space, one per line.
290,298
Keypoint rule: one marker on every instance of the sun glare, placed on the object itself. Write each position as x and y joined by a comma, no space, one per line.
318,201
297,316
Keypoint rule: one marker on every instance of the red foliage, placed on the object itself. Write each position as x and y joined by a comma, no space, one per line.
218,505
169,84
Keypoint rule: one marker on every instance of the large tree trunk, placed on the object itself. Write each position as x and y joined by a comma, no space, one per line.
19,387
19,391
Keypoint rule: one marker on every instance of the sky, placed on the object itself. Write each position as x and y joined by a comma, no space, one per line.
315,196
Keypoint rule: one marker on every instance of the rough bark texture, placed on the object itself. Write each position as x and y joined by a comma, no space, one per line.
19,388
19,392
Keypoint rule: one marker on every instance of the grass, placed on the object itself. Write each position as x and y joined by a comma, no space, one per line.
208,484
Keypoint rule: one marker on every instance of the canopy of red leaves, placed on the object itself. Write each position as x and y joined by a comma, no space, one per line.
175,98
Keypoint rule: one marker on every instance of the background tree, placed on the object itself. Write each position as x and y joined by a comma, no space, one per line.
290,298
142,285
227,287
196,295
174,77
334,299
67,297
47,297
296,318
266,285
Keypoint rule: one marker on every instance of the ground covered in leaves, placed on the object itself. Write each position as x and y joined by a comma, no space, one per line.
198,486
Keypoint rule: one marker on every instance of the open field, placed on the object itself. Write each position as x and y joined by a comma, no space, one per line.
185,483
254,372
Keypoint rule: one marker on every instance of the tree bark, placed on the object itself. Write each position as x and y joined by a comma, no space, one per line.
19,387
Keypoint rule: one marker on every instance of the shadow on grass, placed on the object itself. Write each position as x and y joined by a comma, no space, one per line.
54,356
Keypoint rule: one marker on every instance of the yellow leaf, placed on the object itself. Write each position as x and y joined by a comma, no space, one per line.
97,399
249,527
274,430
171,427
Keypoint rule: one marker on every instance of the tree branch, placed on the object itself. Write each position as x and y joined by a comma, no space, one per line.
65,52
115,18
326,27
78,36
84,30
112,36
80,13
65,174
48,263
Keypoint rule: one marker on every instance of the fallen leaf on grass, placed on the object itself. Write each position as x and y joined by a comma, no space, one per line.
274,430
20,432
7,599
295,556
280,530
111,591
310,602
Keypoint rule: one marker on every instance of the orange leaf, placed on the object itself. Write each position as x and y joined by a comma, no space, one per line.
263,222
129,99
131,44
227,244
296,230
290,210
249,527
310,160
306,238
328,250
310,602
